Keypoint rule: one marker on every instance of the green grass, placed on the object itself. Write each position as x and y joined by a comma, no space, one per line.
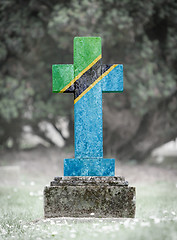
21,216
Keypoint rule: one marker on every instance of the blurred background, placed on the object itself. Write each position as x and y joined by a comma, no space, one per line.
139,34
37,126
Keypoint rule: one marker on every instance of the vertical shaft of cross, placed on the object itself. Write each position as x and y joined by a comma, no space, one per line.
88,126
87,78
88,109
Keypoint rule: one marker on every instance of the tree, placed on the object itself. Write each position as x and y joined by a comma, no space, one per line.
141,35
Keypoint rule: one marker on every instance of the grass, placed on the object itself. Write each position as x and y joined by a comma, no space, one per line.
21,216
21,202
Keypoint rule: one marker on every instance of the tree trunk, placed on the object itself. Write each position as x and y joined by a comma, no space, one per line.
156,127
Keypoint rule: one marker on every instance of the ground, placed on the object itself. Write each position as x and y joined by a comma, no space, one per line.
24,174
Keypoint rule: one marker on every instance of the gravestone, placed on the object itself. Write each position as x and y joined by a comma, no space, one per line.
89,187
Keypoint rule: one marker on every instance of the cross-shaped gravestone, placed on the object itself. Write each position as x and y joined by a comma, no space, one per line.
88,78
108,196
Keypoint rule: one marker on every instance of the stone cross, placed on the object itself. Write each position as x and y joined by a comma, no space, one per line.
88,78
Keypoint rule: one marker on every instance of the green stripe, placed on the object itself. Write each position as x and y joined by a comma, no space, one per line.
86,49
62,74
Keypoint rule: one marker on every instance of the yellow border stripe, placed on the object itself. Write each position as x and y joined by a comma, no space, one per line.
81,73
94,83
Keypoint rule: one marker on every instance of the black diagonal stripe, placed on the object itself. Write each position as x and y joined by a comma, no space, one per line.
90,77
105,67
87,78
70,89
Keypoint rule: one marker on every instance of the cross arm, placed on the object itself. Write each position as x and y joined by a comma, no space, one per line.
112,78
63,78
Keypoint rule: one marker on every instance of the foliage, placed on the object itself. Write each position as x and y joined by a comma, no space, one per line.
36,34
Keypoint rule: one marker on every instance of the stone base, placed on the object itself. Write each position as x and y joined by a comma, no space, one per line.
106,197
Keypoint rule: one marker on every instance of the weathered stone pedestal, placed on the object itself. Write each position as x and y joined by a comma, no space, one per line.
89,197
